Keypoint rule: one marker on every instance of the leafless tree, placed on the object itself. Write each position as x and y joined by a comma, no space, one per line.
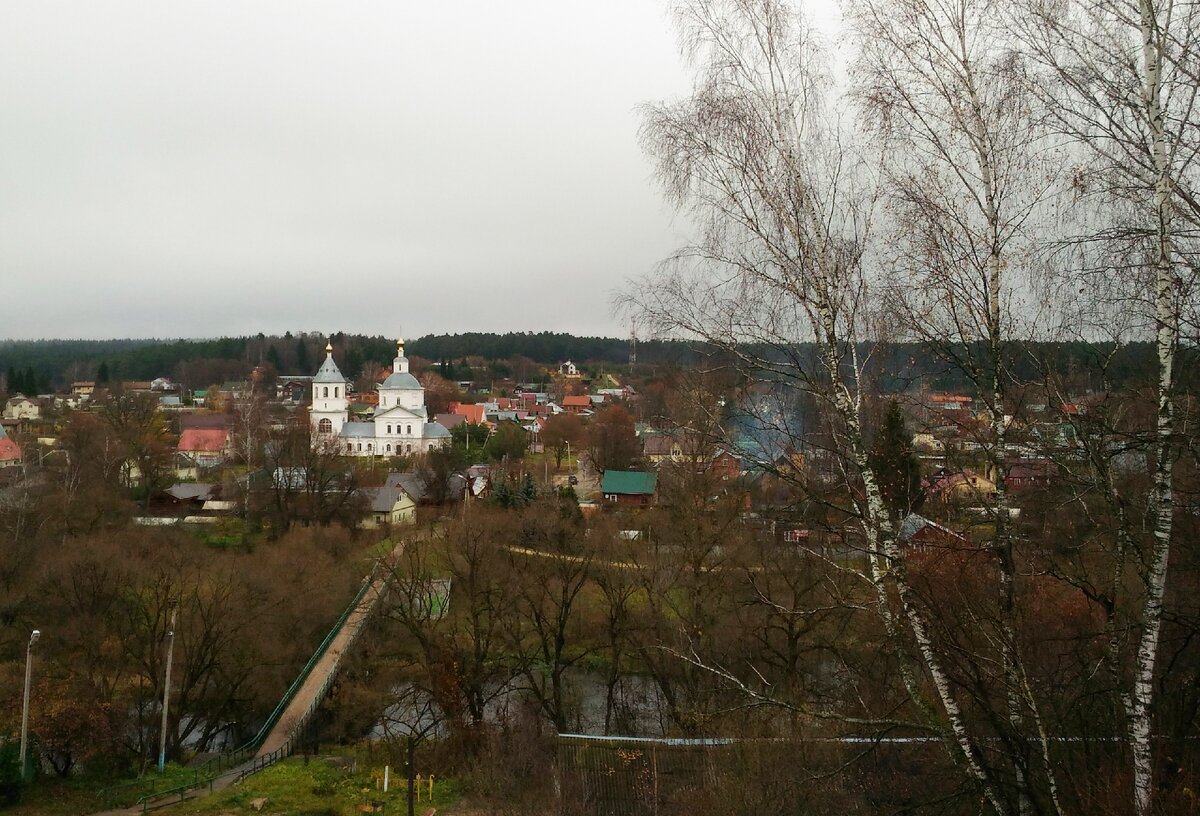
544,629
784,207
1122,79
461,651
944,89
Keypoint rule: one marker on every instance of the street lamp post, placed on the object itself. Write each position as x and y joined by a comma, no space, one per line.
33,638
162,740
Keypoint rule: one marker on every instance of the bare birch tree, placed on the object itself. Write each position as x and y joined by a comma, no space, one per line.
1123,78
944,90
783,207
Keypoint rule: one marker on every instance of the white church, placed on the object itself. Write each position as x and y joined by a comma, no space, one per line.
400,425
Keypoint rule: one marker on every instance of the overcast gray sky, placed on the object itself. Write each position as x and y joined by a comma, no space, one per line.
172,168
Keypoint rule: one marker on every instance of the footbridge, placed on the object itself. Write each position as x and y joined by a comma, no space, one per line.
280,735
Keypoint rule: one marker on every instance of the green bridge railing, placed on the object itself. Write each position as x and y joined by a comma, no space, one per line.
142,791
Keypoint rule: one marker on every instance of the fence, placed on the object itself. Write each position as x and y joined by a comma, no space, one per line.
631,776
636,776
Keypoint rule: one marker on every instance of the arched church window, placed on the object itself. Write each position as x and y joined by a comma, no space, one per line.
408,448
335,390
360,445
389,447
389,428
325,391
368,447
325,426
409,431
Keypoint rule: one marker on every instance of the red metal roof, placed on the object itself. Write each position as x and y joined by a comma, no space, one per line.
9,450
473,413
203,440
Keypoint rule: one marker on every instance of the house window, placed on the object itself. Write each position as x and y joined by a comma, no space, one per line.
325,426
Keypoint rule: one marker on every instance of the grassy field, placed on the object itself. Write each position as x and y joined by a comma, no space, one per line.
320,787
50,796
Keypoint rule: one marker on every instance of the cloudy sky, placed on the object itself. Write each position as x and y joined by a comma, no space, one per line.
205,168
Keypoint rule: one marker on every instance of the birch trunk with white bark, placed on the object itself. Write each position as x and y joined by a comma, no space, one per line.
1166,315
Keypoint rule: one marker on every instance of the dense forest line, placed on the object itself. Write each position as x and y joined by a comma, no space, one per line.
45,365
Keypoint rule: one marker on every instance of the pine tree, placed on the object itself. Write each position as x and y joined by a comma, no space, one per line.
502,495
302,361
896,465
102,375
528,489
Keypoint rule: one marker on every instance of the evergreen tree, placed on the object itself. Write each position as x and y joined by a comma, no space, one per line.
302,361
528,489
354,363
896,465
502,494
273,358
102,374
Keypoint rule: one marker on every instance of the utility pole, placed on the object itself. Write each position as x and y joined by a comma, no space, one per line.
33,638
162,740
411,768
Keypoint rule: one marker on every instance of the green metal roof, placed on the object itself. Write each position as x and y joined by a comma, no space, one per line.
628,482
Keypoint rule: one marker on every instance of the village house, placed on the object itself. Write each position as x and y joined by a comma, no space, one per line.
576,404
422,488
10,452
629,487
389,505
292,388
949,402
189,497
450,421
1030,474
959,486
473,414
920,534
207,447
22,407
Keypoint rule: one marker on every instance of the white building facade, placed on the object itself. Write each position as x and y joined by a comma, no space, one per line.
400,425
